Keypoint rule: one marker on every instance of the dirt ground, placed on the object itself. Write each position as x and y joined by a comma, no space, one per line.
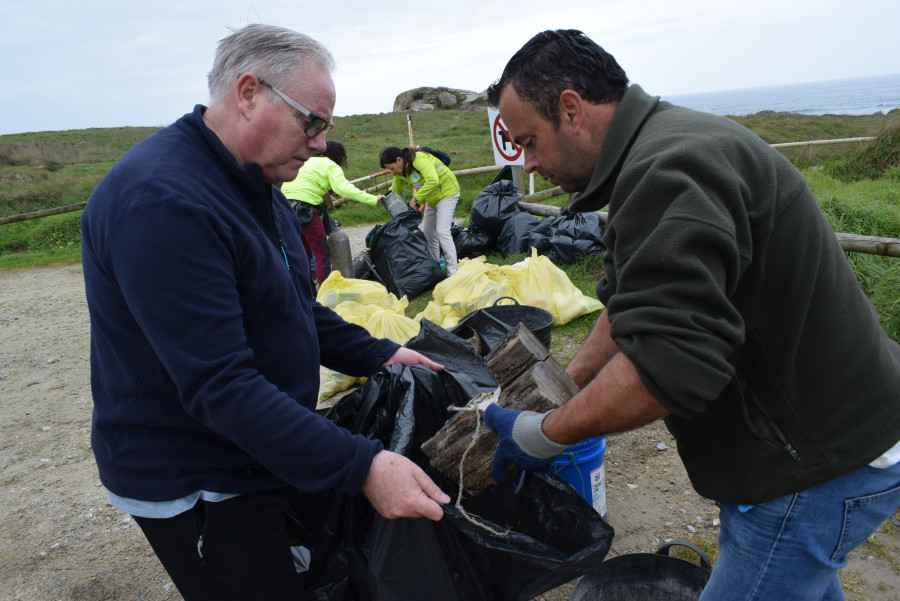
61,539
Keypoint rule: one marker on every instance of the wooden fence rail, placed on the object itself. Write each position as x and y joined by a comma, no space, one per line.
873,245
42,213
818,142
889,247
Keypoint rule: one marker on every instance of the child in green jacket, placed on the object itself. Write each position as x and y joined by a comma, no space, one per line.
435,186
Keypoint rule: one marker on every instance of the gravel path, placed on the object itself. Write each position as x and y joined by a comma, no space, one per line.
61,539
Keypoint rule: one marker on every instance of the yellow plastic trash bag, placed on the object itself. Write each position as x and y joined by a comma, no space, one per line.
332,382
383,316
441,315
337,289
475,285
380,321
537,281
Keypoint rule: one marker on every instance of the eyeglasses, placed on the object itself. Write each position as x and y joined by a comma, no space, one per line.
317,125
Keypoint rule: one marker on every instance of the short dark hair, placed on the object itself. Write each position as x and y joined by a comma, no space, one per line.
557,60
336,152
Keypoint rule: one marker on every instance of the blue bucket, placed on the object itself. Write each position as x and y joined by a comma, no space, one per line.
581,466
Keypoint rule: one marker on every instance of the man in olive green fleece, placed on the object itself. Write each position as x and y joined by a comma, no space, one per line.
732,314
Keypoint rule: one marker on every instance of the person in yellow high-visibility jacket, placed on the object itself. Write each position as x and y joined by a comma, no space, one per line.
435,186
318,177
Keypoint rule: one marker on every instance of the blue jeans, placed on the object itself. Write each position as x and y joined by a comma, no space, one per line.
792,547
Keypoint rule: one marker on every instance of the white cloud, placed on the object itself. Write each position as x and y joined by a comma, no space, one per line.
101,63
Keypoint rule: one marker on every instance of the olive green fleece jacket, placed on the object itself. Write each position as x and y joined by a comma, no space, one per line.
431,181
727,289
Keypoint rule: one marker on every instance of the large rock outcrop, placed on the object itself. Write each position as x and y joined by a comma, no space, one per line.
432,99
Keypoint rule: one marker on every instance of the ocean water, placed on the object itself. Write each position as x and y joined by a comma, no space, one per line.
861,96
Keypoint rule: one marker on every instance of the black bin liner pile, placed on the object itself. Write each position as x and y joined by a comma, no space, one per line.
399,253
399,258
548,534
498,224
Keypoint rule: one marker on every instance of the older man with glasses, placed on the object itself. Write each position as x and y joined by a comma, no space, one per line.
206,338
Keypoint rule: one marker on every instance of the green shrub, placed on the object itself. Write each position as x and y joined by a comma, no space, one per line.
873,160
867,208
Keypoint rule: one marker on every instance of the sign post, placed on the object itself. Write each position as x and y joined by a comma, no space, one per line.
506,152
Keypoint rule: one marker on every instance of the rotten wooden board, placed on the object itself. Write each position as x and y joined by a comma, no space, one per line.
517,352
534,381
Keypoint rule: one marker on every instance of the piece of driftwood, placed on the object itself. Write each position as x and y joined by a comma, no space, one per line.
519,350
539,384
542,387
456,444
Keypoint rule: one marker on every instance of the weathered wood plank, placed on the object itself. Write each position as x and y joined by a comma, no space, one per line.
517,352
535,381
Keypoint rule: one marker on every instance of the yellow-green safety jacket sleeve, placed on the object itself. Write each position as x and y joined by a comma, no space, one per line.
345,189
319,175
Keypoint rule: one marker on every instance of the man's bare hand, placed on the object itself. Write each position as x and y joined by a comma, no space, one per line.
398,488
411,357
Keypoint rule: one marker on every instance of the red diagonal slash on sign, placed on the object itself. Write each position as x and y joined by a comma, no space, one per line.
503,142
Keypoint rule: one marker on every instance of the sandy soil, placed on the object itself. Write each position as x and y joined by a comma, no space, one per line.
61,539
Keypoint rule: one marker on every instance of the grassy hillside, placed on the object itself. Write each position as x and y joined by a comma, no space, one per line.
50,169
856,184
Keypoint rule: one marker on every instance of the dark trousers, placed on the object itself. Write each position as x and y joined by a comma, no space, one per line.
315,240
234,550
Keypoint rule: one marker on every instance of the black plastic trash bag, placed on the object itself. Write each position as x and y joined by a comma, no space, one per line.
507,546
568,236
470,242
514,237
363,269
493,206
400,254
581,226
463,367
404,406
442,562
549,534
539,237
565,251
561,250
334,527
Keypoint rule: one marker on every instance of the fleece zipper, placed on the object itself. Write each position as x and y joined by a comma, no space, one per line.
276,230
760,422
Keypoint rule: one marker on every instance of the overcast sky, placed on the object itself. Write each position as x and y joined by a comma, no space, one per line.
105,63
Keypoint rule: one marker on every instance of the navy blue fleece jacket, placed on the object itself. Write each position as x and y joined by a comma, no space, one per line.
206,339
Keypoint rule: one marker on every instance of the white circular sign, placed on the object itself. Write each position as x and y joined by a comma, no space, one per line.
503,143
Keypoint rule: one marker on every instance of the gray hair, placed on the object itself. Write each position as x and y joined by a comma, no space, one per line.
266,50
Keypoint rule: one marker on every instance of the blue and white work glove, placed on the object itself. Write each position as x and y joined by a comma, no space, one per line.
522,444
